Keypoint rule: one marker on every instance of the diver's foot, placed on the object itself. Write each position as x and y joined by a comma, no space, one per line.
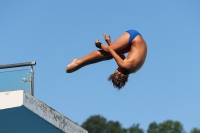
73,65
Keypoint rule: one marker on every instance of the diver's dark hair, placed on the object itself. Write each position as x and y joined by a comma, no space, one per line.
118,80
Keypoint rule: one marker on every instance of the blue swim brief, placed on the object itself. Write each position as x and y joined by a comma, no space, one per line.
133,34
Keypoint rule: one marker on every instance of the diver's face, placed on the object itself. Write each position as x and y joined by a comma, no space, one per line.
118,70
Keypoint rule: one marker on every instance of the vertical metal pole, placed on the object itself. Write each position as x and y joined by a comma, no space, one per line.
32,81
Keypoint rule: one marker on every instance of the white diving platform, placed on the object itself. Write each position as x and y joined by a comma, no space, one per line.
20,112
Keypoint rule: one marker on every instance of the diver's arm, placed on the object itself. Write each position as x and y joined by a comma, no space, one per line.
120,62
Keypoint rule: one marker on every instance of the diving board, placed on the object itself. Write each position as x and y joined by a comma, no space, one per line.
20,112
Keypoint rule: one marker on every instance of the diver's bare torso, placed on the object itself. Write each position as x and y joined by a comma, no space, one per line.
137,54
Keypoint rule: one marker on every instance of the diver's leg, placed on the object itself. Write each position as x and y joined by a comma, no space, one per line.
118,45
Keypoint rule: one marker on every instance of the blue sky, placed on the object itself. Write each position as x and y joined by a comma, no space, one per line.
53,33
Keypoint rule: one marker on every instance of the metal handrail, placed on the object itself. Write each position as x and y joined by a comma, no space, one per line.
23,65
17,65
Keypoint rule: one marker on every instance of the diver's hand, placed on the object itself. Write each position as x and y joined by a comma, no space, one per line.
96,41
107,39
103,46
